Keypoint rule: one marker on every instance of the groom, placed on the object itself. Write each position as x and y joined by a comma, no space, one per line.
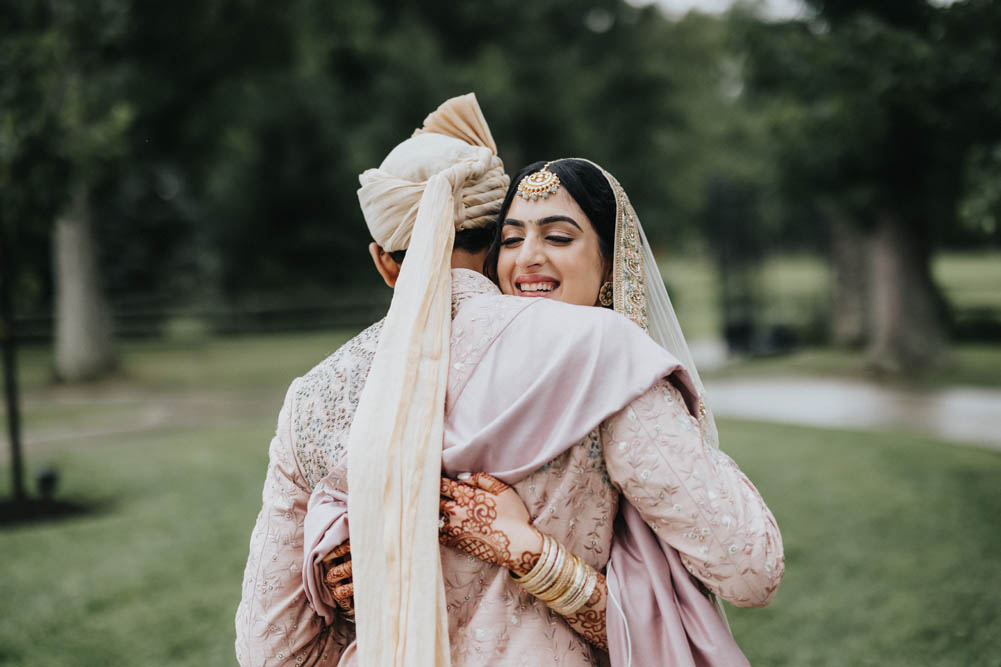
275,624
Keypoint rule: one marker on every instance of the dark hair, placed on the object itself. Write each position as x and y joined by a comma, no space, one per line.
589,188
470,240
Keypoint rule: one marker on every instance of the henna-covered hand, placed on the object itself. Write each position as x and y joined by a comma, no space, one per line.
485,518
337,577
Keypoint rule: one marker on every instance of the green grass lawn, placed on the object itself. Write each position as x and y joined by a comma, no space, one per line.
892,541
153,576
891,545
224,363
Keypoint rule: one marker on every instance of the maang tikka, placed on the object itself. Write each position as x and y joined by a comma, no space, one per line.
540,184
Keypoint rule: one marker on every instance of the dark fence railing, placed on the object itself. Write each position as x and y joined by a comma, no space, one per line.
148,320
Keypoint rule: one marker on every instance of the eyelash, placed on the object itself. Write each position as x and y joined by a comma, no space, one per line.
562,240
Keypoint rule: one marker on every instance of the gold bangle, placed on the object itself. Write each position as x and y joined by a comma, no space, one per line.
590,583
546,565
580,581
552,575
559,578
563,581
540,565
573,591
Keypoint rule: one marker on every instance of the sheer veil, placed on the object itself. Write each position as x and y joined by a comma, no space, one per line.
640,295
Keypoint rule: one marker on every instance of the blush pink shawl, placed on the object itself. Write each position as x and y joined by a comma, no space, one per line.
549,373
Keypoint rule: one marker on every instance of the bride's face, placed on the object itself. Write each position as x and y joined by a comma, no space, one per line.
549,249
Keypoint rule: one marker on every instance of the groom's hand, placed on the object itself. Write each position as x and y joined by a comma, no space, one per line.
485,518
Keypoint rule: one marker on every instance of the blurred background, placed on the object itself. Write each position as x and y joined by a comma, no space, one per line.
180,237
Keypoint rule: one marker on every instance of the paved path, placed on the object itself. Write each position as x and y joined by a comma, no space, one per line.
960,414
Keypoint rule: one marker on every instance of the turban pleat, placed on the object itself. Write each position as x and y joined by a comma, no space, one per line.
454,141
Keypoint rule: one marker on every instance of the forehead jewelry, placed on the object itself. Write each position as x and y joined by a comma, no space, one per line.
541,184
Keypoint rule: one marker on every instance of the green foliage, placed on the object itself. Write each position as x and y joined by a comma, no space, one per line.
878,106
223,139
980,207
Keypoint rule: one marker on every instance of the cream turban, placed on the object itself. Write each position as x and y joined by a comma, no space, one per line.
454,143
446,177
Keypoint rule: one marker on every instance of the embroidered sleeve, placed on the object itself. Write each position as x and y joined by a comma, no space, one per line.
274,623
694,497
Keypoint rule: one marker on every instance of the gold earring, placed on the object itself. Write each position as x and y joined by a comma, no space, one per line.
605,297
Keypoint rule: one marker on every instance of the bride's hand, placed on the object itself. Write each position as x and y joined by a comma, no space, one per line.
485,518
337,577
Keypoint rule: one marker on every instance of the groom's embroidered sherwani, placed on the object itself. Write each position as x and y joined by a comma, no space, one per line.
693,496
275,623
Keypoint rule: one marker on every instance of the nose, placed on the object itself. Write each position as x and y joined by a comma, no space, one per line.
531,254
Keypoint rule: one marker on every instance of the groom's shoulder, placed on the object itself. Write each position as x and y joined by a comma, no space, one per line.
325,402
356,353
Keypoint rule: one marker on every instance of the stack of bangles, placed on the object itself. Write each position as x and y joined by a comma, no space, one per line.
560,579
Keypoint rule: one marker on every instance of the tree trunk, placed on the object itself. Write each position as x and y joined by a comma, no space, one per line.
908,329
8,340
851,252
85,345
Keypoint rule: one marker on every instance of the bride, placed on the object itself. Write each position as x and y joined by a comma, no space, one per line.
585,495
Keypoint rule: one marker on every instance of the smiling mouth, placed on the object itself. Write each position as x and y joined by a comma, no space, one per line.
536,289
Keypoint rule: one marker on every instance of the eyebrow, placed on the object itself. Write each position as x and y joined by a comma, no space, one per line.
548,220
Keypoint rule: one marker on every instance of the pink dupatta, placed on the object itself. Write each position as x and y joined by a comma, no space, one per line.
586,365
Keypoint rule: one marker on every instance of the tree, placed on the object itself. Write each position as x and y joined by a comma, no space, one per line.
882,105
64,80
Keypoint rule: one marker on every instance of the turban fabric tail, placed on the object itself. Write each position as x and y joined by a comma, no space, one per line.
446,177
394,455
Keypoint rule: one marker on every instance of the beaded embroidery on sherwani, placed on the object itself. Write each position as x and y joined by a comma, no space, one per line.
326,398
325,402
